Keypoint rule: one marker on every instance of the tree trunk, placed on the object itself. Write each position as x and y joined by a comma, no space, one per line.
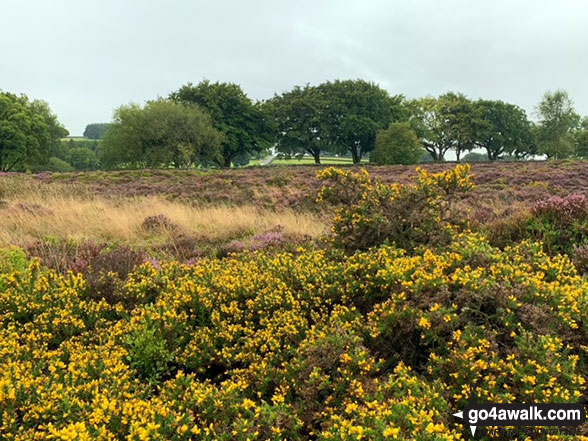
317,157
433,154
356,155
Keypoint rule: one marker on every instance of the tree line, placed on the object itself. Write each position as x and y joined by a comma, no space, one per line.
218,125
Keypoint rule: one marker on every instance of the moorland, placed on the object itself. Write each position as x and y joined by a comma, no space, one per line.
289,303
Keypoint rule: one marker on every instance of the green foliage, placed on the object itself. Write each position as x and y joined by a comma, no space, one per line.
13,259
55,164
503,128
459,119
356,110
245,126
161,134
581,138
83,158
372,213
557,122
96,130
559,223
340,117
444,123
475,157
29,132
398,144
301,125
242,160
147,352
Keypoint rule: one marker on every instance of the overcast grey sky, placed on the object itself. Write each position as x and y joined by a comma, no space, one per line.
87,57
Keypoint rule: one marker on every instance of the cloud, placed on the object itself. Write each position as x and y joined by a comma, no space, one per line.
86,58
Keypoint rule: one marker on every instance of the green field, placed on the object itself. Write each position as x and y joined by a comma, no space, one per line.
306,160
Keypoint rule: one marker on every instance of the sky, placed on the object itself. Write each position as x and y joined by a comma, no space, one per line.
87,57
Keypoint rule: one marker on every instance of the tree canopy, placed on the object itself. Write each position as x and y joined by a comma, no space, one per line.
398,144
428,122
162,133
557,122
29,132
341,117
300,118
356,110
96,130
503,128
245,126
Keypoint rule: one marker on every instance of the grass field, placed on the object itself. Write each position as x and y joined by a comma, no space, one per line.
307,160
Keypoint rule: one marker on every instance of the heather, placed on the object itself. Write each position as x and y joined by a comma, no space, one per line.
378,325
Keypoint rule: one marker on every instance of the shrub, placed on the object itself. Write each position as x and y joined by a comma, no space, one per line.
313,345
13,259
58,165
560,223
562,210
373,213
398,144
158,222
475,157
148,353
581,258
104,268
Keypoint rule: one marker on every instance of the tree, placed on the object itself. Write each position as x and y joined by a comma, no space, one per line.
82,158
398,144
557,122
356,111
459,120
161,134
96,130
300,118
430,125
503,128
244,124
29,132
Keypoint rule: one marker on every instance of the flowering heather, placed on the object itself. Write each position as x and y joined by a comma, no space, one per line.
266,240
562,209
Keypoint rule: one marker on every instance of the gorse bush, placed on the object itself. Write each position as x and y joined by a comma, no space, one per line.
372,213
105,268
378,345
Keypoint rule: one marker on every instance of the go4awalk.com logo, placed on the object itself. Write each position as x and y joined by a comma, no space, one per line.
512,414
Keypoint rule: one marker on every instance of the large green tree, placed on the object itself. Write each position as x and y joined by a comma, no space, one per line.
160,134
558,121
29,132
504,128
459,121
398,144
433,121
300,116
245,126
356,110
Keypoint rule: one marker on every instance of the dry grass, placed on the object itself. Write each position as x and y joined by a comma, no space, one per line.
64,213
